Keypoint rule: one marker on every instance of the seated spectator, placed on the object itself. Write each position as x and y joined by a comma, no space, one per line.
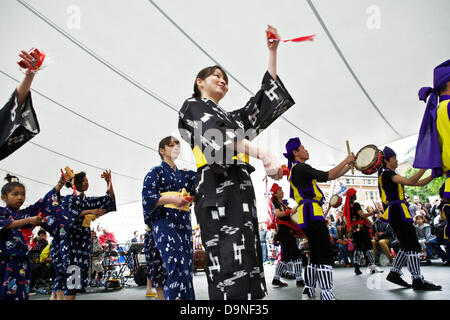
339,218
344,245
424,235
383,236
37,269
439,240
412,207
434,211
106,238
371,210
332,230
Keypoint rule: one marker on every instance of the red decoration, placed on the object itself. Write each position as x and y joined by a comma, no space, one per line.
39,63
285,170
272,36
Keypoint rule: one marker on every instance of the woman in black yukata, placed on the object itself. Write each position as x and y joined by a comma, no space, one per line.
18,119
225,204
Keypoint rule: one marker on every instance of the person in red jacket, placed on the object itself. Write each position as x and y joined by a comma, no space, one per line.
105,237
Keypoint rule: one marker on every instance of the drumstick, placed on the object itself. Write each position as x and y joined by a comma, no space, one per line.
348,150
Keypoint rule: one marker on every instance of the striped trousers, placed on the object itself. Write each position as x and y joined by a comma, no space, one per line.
409,258
323,274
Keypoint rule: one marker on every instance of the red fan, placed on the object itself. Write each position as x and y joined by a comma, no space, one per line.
39,63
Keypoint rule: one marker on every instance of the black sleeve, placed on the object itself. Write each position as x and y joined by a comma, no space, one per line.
305,171
268,104
387,177
18,124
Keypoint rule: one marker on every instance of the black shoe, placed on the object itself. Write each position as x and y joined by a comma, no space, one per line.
425,263
420,284
357,271
446,263
278,283
397,279
300,283
288,276
308,294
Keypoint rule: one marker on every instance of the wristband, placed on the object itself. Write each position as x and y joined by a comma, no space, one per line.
287,212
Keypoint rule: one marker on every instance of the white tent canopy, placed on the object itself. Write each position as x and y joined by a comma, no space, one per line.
122,69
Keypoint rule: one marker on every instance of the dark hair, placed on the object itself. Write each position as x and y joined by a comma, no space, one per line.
41,231
165,142
78,180
13,182
443,88
205,73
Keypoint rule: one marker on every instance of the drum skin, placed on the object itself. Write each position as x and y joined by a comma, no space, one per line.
335,201
369,159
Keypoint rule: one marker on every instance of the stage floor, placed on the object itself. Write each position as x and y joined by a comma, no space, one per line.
348,286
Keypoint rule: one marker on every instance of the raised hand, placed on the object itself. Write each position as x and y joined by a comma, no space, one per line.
29,60
106,175
273,38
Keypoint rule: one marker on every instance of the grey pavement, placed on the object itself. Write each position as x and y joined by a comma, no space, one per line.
347,286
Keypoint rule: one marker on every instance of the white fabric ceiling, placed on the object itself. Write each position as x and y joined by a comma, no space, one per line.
117,81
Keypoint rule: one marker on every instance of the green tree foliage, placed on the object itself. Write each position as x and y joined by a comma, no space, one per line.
431,189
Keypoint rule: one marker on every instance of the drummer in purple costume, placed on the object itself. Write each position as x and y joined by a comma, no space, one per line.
433,145
303,179
397,215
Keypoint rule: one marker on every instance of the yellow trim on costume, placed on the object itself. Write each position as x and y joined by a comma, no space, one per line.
317,209
447,185
401,196
182,194
443,128
88,219
200,159
242,157
383,194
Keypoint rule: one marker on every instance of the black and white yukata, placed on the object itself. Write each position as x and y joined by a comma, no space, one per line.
225,204
19,124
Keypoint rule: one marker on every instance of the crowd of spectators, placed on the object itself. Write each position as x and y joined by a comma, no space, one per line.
428,222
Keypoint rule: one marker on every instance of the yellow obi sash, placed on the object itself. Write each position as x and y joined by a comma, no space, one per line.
400,201
88,219
200,158
313,206
443,128
182,194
